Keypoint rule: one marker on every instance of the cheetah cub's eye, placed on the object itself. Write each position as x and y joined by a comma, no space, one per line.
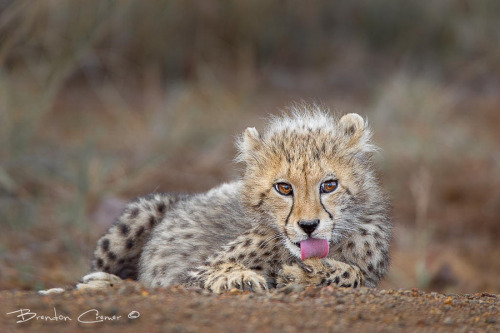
329,186
283,188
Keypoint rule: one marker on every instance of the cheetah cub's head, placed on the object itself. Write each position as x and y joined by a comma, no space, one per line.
311,175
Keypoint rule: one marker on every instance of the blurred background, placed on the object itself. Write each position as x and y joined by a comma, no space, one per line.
102,101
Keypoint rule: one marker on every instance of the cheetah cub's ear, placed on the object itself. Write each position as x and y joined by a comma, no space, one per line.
354,129
248,146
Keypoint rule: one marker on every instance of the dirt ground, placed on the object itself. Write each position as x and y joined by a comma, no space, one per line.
131,308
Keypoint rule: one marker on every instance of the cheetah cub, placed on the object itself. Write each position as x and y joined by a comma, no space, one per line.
308,210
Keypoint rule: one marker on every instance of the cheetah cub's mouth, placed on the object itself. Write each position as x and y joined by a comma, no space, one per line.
314,247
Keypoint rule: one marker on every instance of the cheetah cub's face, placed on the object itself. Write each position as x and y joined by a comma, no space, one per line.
308,173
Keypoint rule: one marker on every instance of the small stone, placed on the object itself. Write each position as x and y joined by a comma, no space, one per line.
340,308
448,321
448,300
423,322
490,320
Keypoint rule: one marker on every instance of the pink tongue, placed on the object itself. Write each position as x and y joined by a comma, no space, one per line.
313,247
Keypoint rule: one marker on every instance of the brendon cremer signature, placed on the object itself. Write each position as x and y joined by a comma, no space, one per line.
91,316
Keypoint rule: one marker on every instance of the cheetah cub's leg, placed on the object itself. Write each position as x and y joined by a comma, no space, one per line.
320,272
117,253
98,281
247,263
119,250
227,276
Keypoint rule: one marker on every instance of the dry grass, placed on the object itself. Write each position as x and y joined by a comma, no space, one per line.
105,100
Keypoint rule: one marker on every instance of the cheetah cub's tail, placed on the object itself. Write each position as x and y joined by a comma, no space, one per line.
119,250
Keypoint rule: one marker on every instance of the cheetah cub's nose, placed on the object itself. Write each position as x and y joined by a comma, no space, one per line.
309,226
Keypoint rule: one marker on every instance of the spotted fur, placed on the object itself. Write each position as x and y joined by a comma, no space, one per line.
119,250
245,234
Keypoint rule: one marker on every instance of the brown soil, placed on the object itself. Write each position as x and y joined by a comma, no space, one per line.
312,309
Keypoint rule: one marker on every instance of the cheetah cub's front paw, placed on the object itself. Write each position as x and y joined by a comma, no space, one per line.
229,276
320,272
98,281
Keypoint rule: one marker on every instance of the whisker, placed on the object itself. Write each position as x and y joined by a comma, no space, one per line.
267,240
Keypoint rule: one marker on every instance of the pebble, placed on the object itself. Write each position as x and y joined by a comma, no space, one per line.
363,291
340,308
448,321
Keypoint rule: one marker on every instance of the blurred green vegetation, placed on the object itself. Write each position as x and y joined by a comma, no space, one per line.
103,100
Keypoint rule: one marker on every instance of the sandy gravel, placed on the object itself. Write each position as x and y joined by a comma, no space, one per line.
294,310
